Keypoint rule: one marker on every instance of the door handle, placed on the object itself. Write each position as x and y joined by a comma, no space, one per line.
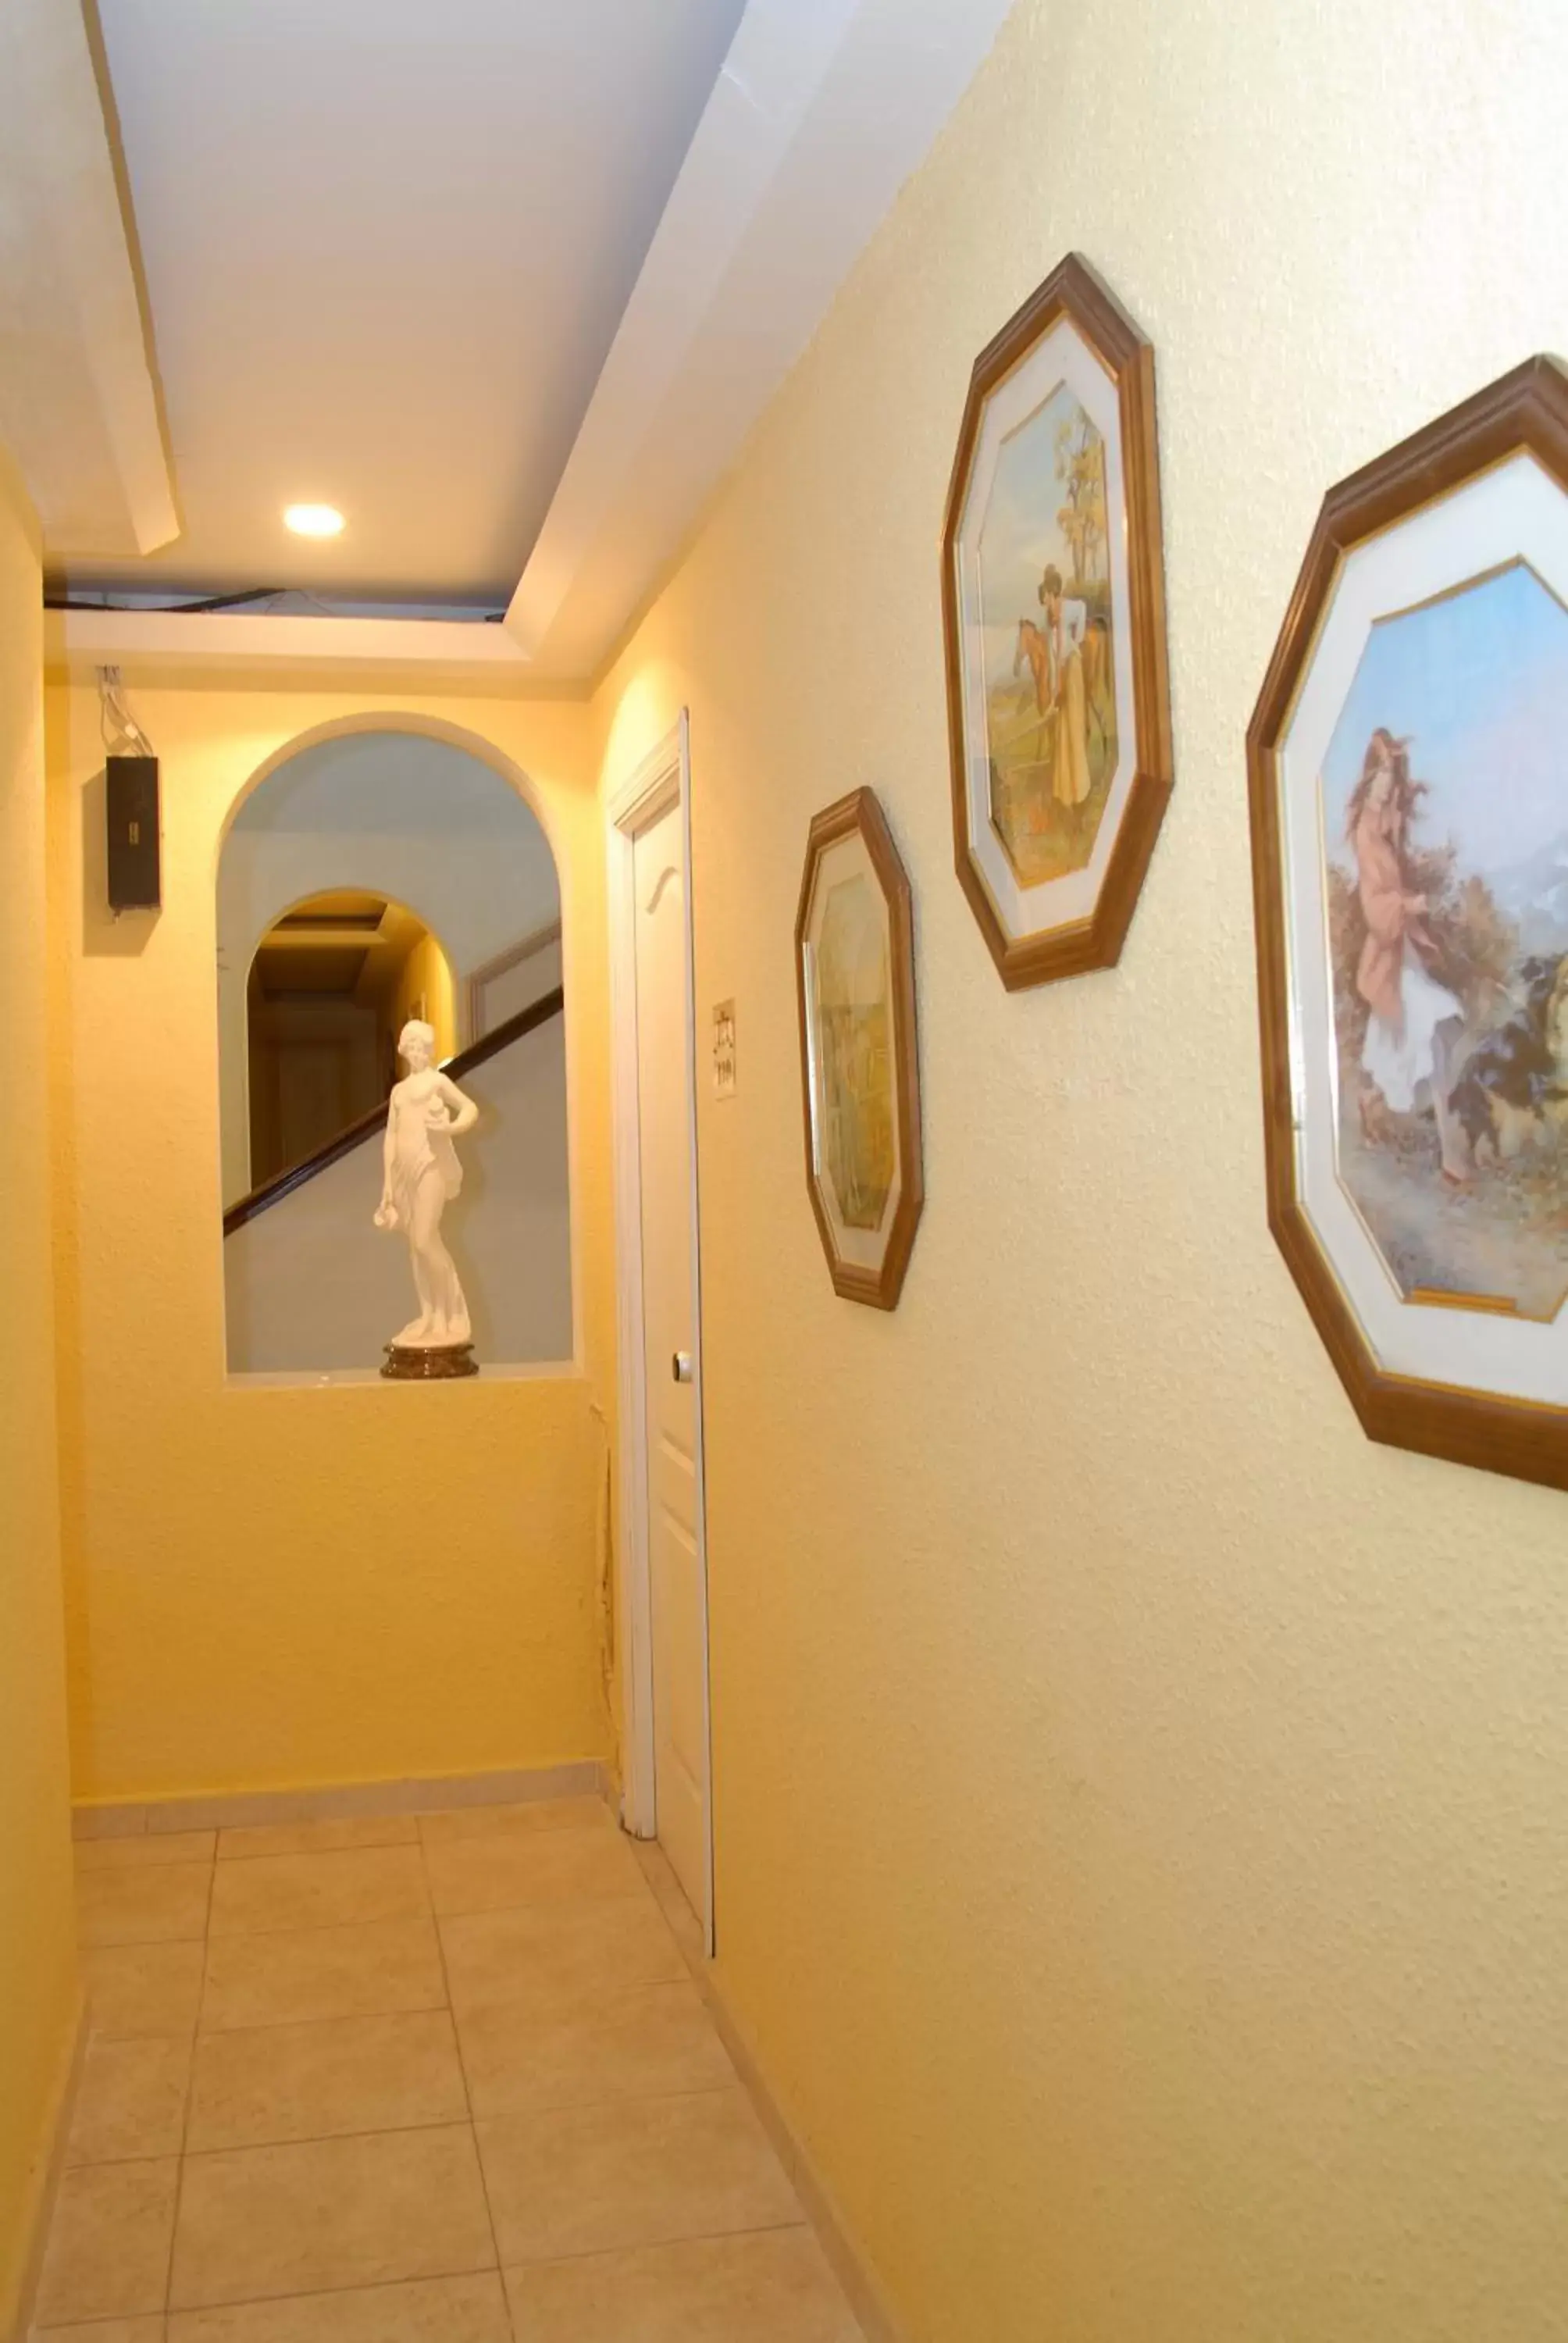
681,1366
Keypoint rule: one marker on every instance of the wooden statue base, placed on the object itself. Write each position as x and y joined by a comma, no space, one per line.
432,1363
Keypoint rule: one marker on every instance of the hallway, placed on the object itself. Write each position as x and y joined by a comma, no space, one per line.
877,698
397,2080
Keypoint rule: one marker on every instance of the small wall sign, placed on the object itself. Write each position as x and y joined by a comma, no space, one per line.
723,1049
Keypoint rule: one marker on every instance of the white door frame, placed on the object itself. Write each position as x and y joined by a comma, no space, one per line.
661,780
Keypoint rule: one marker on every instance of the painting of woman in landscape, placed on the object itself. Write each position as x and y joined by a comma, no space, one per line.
1050,696
1445,827
855,980
854,1053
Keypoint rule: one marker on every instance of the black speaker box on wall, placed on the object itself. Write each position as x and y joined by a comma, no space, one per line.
132,798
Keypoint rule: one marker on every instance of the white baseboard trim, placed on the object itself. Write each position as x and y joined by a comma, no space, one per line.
865,2298
38,2205
336,1800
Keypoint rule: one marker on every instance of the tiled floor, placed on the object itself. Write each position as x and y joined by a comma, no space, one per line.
397,2081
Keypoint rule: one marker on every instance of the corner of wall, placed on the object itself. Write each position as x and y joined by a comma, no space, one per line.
38,1990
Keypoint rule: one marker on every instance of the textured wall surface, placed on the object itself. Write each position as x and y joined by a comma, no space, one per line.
37,1921
272,1587
1141,1805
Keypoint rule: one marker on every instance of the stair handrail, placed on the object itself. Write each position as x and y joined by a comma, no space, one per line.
354,1134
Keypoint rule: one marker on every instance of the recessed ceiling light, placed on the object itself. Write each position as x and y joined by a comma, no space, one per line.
313,520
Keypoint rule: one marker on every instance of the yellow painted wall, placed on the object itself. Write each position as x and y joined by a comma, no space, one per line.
1141,1804
426,975
280,1587
37,1935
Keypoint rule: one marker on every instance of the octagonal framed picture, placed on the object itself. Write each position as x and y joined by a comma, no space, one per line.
1408,769
1053,617
860,1068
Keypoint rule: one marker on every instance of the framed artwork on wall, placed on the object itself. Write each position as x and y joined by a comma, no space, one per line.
859,1070
1408,764
1053,617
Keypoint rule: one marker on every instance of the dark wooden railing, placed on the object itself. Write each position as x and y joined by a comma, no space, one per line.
354,1134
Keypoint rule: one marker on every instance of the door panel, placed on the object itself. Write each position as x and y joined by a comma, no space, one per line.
664,1123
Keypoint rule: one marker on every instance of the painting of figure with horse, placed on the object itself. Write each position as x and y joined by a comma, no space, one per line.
1045,595
1445,832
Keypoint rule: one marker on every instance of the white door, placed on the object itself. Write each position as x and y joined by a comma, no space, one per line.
679,1607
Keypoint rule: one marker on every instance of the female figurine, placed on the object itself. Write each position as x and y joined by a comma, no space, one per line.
425,1113
1066,623
1414,1025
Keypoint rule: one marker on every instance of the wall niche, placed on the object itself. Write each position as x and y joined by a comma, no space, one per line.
372,878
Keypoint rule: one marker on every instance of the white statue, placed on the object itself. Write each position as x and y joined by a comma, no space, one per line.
425,1113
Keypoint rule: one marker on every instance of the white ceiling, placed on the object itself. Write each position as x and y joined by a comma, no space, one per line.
509,281
387,245
77,406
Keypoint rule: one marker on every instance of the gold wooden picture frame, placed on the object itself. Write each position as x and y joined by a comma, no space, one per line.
860,1068
1408,772
1053,619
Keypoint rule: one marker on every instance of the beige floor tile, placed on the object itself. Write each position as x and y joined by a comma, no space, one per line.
317,1891
265,2222
367,1971
144,1853
538,1951
334,1836
773,2288
436,2310
635,2172
485,1874
108,2330
340,2075
142,1988
523,1821
649,2041
108,2254
163,1905
132,2100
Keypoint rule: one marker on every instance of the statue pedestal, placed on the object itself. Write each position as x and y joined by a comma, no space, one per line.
429,1363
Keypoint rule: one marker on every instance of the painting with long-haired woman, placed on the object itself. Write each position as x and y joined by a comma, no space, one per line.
1445,826
1407,766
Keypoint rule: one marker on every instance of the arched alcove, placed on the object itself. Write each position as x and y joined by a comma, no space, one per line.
389,842
331,983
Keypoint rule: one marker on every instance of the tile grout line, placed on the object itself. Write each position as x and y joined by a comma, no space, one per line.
308,2140
734,2087
662,2245
190,2094
136,1944
270,2301
463,2073
404,2130
438,2278
377,1920
277,2024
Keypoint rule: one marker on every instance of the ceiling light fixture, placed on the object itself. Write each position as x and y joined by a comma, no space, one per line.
313,520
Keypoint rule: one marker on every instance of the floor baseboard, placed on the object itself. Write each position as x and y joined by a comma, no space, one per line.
335,1801
865,2296
38,2213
